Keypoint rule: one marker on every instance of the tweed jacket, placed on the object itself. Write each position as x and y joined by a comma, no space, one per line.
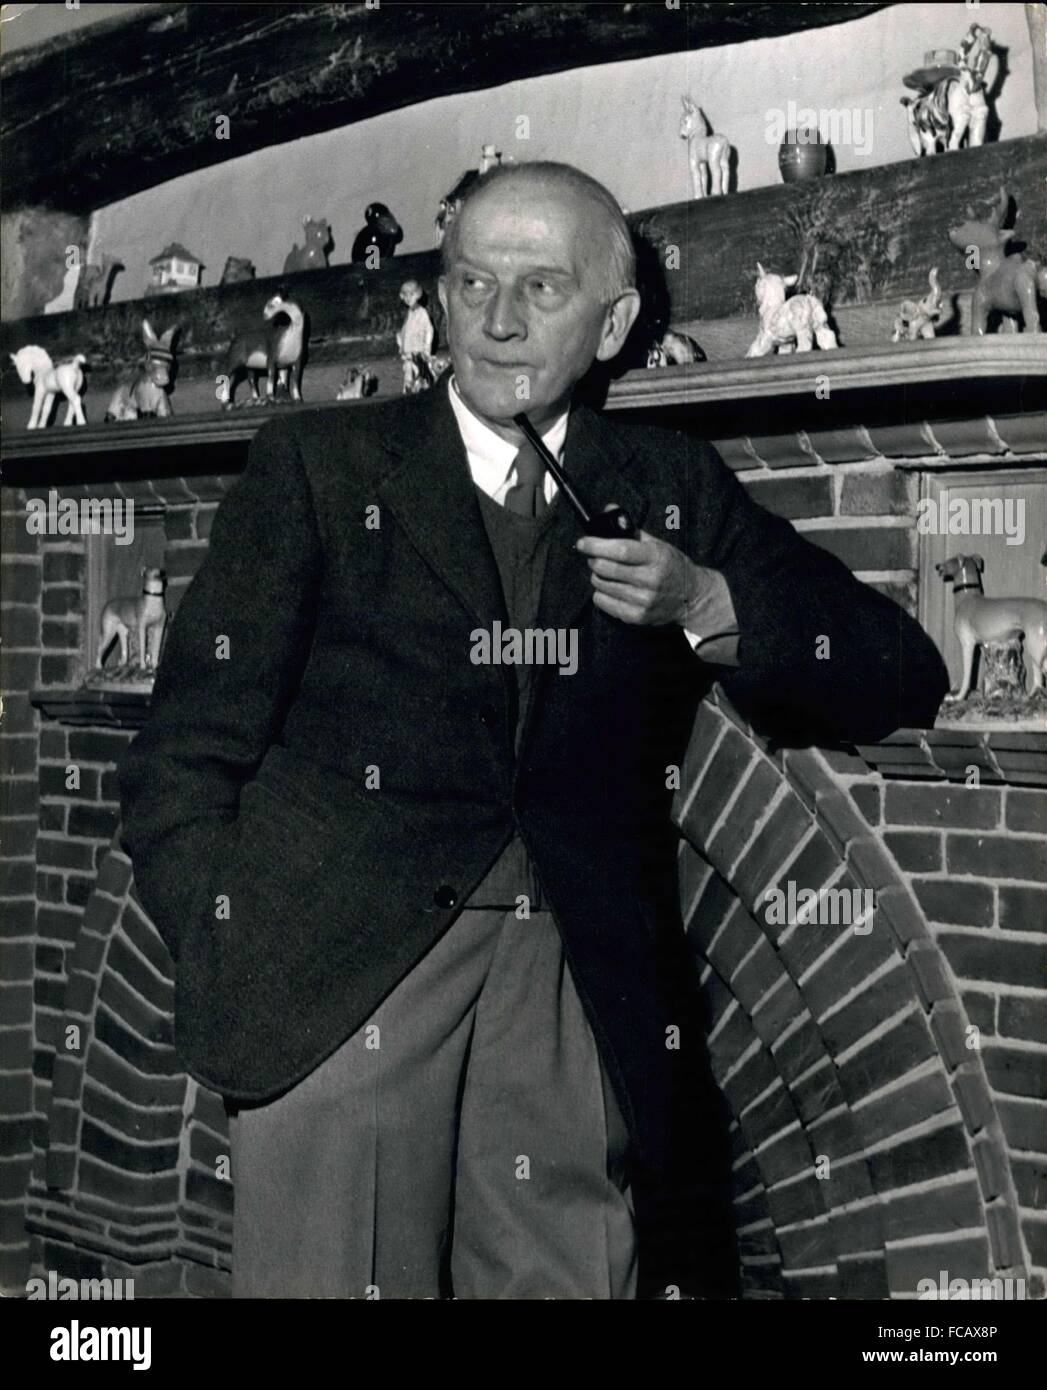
325,758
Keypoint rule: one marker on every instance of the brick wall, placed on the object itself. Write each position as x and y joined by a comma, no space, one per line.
853,490
100,1126
871,1142
878,1139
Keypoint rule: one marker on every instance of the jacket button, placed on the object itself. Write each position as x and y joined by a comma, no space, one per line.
488,716
445,896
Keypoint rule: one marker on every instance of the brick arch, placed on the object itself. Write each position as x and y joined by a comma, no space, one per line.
132,1141
827,1042
799,1236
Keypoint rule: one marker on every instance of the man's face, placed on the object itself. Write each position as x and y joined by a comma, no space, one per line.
525,318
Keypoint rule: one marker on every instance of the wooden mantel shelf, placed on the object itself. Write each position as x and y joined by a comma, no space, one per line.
895,365
896,368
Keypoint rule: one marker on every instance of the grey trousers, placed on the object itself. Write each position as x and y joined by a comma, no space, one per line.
464,1142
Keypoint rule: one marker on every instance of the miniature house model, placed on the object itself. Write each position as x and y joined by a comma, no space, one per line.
174,269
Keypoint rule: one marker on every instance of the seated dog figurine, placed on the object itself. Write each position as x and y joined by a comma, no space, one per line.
979,620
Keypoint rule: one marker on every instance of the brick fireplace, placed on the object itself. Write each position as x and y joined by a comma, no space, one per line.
886,1087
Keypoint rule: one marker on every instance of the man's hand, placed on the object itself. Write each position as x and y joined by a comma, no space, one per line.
648,581
641,581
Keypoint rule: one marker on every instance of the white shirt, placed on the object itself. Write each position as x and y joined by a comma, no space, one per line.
491,457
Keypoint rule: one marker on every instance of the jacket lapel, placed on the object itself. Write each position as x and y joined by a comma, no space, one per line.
432,495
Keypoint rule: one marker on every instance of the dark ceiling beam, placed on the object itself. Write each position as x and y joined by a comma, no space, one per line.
130,103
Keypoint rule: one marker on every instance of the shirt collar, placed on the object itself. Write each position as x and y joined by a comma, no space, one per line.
488,449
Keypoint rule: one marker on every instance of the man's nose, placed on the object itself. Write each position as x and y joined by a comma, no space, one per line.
504,318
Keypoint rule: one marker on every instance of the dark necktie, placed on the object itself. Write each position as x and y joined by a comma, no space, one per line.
526,497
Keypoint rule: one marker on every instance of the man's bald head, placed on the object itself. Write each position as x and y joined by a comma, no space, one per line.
613,263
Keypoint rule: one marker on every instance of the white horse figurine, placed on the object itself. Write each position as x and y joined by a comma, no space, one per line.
786,324
706,153
34,365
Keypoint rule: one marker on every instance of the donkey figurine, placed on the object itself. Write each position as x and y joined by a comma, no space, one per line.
1008,284
146,392
706,153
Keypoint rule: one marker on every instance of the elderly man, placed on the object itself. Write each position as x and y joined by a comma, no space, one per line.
414,865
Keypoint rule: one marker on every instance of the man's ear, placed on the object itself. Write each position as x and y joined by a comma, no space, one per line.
621,316
441,292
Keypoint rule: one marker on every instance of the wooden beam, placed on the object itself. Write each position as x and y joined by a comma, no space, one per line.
131,103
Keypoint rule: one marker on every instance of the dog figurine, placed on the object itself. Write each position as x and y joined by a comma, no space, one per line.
145,616
979,620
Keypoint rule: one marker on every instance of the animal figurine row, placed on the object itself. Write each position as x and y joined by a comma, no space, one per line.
136,622
955,105
979,622
276,347
1007,285
788,325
